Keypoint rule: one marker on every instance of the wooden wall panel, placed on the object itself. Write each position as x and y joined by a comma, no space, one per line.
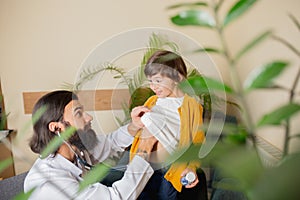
91,99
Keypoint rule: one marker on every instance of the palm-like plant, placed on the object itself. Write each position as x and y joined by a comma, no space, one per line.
135,83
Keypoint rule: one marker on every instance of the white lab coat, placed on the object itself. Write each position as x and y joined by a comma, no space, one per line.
58,178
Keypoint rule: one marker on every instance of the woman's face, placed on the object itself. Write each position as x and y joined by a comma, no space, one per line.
162,86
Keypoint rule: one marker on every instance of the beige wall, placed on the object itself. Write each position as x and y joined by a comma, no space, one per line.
44,43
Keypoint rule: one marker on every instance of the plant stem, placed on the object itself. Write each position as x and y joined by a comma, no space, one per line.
235,80
287,44
287,128
292,91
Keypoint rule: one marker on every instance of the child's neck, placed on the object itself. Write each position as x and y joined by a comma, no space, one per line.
177,94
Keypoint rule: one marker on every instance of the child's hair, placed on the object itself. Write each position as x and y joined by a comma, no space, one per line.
167,64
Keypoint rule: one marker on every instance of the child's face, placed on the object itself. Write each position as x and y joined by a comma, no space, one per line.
162,86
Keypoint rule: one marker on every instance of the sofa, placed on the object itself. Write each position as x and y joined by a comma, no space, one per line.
10,187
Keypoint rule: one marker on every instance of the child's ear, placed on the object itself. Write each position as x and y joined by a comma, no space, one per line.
181,78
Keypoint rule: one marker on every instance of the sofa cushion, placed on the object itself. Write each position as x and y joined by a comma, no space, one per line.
12,186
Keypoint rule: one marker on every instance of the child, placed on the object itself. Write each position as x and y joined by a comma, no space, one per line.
174,120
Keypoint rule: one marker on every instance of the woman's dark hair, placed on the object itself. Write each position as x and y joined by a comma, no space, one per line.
167,64
52,106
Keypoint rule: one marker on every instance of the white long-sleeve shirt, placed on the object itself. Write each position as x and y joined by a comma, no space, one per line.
58,178
163,122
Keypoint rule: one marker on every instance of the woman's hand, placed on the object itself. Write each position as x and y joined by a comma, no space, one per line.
193,184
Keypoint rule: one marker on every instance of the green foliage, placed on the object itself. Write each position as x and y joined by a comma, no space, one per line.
245,166
237,137
57,142
237,10
280,115
279,182
3,116
208,50
5,163
188,5
90,73
253,43
194,17
200,84
232,158
97,173
139,96
34,119
263,77
24,196
133,82
157,41
3,121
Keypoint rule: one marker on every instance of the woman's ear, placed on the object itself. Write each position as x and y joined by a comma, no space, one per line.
54,127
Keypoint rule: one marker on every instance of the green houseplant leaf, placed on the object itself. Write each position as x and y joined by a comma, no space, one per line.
209,50
253,43
279,182
200,85
262,77
279,115
237,10
24,195
187,5
245,167
34,119
185,154
139,97
5,163
95,175
57,141
194,18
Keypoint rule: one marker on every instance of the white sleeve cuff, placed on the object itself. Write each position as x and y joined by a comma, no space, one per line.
146,119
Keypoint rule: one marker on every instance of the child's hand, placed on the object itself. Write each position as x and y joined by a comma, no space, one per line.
195,182
136,115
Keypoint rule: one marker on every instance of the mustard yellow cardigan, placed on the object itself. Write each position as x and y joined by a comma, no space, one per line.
191,119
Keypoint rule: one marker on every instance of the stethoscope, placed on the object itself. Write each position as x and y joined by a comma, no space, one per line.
80,160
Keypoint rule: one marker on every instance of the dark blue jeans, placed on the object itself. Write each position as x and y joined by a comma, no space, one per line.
158,188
